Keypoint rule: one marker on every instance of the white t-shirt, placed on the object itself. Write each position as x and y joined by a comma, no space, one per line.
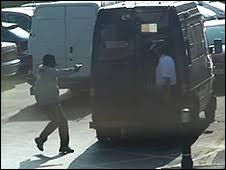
165,69
46,85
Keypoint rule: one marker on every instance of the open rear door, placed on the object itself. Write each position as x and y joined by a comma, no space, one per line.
114,60
80,20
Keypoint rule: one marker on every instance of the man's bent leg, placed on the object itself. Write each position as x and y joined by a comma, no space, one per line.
64,134
62,125
47,131
63,131
44,135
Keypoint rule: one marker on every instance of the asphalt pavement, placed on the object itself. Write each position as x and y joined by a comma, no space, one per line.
22,121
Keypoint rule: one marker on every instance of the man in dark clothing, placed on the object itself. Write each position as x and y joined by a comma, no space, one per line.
47,93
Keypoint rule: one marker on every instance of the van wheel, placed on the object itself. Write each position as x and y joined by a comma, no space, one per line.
194,107
101,136
108,135
210,109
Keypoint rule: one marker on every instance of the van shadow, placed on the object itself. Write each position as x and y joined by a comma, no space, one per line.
133,154
137,152
33,164
74,108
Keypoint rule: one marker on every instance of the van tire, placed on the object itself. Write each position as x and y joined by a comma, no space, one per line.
101,136
109,135
194,107
211,109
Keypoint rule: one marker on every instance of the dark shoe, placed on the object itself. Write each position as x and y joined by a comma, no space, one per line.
66,150
39,143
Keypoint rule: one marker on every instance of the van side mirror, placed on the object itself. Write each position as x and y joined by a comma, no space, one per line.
218,46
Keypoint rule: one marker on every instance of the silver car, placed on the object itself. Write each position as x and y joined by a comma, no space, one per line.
10,63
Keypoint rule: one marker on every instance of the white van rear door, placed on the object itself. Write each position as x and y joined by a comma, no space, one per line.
80,21
48,34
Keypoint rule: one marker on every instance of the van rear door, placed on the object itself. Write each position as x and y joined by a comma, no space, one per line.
114,58
80,20
48,35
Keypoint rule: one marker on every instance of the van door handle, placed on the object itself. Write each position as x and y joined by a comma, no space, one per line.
71,49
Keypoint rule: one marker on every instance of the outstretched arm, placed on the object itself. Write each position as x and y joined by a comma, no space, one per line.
66,71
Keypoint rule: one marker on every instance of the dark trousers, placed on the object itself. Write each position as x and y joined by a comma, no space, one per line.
169,110
57,120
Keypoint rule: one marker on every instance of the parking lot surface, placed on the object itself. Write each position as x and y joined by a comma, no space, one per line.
22,121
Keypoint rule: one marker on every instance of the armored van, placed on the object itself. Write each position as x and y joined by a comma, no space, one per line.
122,67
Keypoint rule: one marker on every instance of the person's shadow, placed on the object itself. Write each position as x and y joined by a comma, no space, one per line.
33,164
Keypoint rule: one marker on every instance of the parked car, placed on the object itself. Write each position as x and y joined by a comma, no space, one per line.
217,7
13,33
215,36
10,63
206,13
19,15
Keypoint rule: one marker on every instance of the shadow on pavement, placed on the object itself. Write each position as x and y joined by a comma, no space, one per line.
73,107
145,152
8,83
134,155
33,164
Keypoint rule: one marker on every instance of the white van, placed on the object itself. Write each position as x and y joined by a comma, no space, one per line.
65,30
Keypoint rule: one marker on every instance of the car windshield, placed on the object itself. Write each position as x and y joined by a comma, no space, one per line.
19,32
215,32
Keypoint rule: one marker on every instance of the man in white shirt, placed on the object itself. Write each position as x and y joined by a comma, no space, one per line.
165,91
165,75
47,92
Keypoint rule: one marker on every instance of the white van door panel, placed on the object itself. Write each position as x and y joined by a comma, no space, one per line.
50,28
80,24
